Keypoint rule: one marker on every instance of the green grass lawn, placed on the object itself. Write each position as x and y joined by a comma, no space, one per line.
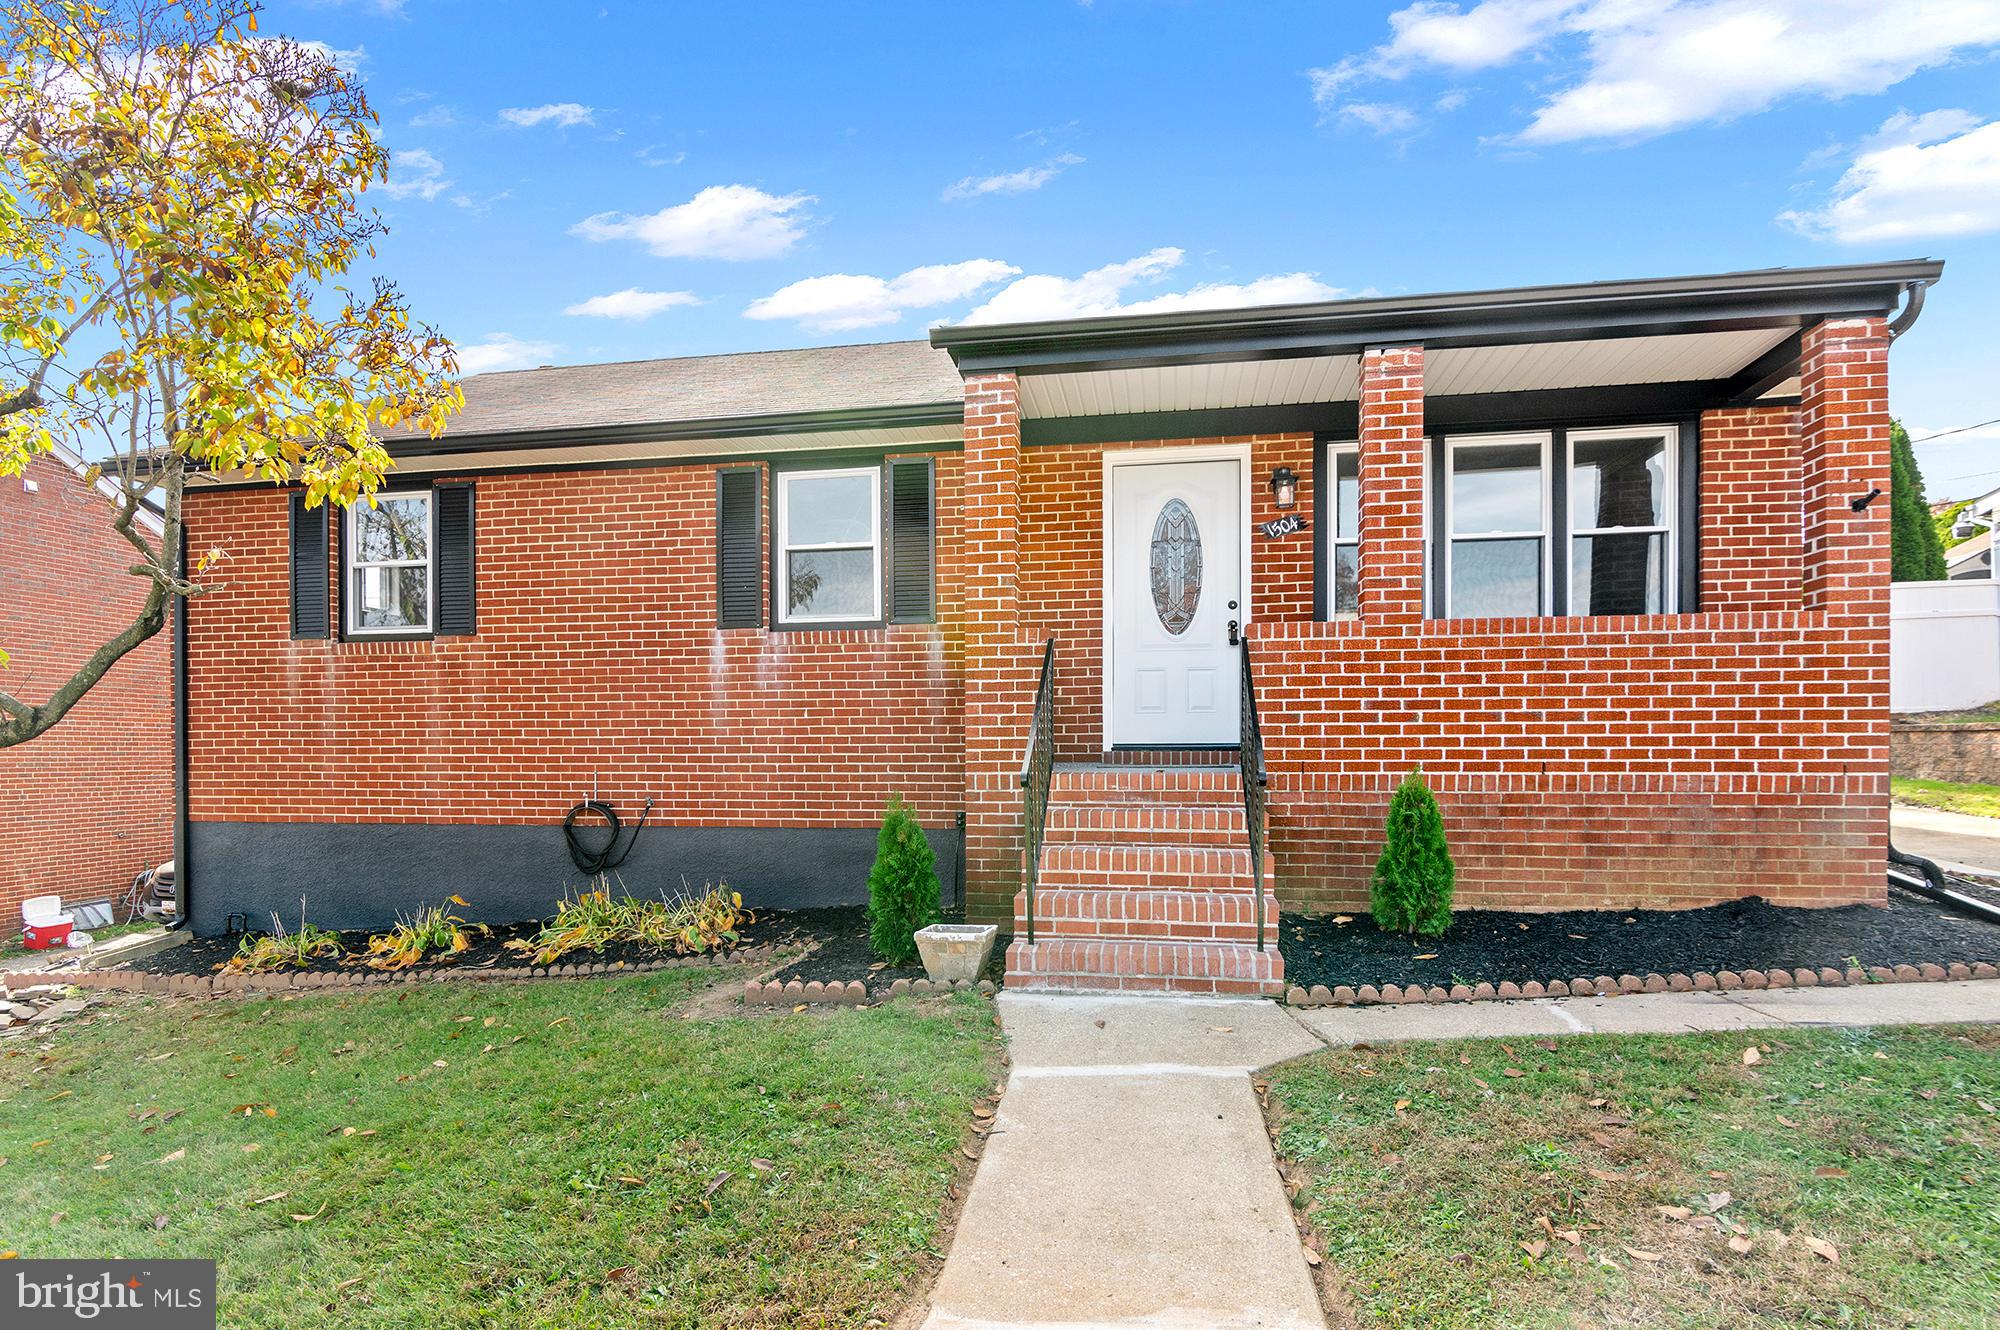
1428,1170
587,1154
1979,715
1979,800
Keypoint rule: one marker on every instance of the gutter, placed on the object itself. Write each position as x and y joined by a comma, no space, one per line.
1779,297
182,917
720,427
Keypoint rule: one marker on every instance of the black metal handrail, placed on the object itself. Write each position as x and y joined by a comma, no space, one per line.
1250,761
1037,769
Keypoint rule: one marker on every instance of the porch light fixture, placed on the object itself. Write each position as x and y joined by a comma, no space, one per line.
1285,487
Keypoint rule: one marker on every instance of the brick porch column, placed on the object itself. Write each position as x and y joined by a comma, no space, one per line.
1000,668
1844,446
1844,429
1392,482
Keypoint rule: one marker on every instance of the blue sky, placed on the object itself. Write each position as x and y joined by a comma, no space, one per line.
579,182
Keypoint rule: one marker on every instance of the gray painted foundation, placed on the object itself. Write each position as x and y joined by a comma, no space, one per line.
359,876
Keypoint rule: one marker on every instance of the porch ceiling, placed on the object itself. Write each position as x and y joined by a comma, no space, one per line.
1449,371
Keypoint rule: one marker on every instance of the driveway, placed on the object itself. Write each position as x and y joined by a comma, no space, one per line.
1954,840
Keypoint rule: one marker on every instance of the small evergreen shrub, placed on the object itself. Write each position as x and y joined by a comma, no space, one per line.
902,887
1411,892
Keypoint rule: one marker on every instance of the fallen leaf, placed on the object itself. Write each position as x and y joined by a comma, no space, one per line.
969,1152
1829,1171
1921,1094
168,1159
1784,1121
1640,1254
58,1217
1512,1073
1751,1057
617,1273
1675,1211
1820,1247
1313,1258
1602,1176
560,1020
981,1111
1740,1244
1343,918
715,1183
307,1219
1427,956
346,1284
796,1010
489,1022
631,1181
274,1196
1535,1249
1222,1029
761,1165
1716,1200
1401,1104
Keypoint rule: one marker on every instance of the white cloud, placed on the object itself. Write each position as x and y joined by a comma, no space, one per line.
436,117
841,301
632,303
1382,117
415,173
1103,291
503,351
655,155
1013,182
1927,175
564,115
721,222
1648,67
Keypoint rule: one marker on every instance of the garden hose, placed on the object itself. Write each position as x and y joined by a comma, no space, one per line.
601,859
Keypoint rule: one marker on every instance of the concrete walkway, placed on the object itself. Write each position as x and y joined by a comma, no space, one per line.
1959,842
1128,1181
1975,1000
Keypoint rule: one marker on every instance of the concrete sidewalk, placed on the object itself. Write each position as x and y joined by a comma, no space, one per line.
1959,842
1976,1000
1128,1181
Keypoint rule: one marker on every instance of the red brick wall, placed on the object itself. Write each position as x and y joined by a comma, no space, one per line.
597,665
91,802
1659,761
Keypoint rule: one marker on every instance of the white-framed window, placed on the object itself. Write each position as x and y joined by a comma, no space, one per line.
827,532
390,583
1496,525
1622,535
1343,528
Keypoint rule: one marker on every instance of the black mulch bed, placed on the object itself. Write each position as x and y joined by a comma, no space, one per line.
205,955
842,952
1750,934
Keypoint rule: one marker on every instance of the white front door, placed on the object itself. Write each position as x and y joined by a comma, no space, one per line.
1177,597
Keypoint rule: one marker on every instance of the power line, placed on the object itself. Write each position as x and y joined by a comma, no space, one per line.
1960,430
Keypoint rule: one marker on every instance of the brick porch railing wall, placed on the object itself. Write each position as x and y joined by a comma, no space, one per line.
90,803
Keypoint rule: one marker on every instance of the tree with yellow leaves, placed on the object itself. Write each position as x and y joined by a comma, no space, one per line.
179,201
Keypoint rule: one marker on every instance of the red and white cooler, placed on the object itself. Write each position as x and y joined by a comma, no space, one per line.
44,923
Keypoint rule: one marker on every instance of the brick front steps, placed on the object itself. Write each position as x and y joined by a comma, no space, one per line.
1146,886
1604,985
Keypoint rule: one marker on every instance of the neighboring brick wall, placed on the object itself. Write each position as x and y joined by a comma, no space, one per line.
597,666
1936,750
91,802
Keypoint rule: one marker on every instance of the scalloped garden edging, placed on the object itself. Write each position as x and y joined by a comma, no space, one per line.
1604,985
849,993
225,984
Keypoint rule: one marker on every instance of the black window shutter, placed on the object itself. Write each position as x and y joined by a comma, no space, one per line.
309,598
912,579
457,601
739,549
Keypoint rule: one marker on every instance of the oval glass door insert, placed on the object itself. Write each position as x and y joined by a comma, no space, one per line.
1176,566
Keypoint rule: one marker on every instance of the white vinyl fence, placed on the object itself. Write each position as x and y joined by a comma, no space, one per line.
1944,645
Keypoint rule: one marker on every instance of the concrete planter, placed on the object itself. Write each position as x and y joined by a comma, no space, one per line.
956,953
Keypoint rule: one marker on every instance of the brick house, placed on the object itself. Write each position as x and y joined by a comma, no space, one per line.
1587,554
90,803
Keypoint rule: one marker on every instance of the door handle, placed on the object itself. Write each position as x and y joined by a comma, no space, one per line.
1233,628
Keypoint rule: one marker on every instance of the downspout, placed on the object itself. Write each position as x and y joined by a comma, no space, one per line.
1920,874
182,917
